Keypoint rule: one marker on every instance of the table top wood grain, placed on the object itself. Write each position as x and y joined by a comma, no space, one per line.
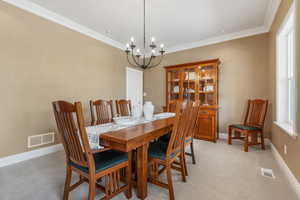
132,137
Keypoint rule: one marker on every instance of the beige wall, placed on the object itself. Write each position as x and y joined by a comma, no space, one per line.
279,137
41,62
243,74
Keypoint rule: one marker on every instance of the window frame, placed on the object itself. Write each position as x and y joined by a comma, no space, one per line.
285,74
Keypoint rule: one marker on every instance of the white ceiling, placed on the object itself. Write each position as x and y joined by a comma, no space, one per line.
178,24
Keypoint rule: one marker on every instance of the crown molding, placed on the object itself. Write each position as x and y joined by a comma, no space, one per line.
271,13
218,39
268,21
54,17
59,19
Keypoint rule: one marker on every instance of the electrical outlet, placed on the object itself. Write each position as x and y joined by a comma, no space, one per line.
285,149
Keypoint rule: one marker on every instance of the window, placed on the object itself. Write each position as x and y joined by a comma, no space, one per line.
286,82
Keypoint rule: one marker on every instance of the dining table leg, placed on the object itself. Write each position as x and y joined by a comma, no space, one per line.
142,171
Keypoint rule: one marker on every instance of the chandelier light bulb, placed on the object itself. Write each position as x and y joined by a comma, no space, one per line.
132,39
162,46
153,51
127,46
138,51
153,39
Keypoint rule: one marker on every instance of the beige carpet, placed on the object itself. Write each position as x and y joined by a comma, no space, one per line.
222,172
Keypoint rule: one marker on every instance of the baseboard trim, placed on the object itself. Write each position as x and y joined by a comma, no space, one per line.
13,159
288,173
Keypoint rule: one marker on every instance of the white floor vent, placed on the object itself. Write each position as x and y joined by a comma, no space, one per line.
39,140
267,173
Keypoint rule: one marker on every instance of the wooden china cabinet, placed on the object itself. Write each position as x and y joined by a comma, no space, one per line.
196,81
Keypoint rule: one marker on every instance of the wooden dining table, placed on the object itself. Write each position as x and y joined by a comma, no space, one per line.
138,137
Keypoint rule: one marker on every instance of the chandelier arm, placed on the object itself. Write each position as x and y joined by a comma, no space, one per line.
150,60
128,60
155,65
134,60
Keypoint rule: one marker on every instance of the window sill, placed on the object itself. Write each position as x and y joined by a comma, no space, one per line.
287,129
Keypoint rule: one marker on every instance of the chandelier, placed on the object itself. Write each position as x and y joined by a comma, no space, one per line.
140,59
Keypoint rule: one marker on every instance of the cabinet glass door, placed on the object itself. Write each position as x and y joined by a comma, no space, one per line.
190,79
173,87
208,85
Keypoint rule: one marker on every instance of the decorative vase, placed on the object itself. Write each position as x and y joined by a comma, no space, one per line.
148,110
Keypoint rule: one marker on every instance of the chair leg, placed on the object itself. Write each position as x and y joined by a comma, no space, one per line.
254,138
107,188
185,166
229,135
182,167
155,169
128,176
67,182
246,142
170,183
92,187
192,152
262,140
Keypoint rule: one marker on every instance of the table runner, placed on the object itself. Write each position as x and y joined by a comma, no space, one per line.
94,132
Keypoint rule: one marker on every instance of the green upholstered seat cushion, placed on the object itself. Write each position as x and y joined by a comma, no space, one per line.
159,150
165,138
189,139
244,127
105,160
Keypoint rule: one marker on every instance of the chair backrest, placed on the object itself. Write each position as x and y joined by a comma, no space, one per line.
179,128
123,107
193,116
256,112
171,107
70,124
101,111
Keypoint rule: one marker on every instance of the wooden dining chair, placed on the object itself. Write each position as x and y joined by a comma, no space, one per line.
253,125
162,154
193,109
189,138
123,107
102,169
101,112
172,107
